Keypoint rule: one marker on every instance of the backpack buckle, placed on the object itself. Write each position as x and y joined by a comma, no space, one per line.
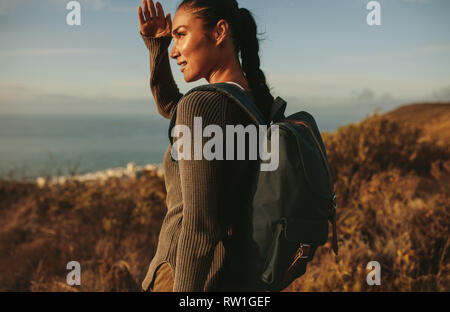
333,202
303,251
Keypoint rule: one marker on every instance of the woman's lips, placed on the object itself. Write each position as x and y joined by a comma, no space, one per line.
183,65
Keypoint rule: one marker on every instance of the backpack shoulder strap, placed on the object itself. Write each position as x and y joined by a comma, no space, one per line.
238,96
232,92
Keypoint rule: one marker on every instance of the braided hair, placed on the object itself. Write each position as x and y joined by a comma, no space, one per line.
245,40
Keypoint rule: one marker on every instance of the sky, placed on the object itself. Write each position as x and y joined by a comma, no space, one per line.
319,55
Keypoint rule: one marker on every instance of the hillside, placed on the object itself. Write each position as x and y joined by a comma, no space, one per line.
433,118
393,194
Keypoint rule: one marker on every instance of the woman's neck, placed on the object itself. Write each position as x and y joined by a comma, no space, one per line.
227,72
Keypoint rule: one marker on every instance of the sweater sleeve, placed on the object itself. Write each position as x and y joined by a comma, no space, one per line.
200,186
162,84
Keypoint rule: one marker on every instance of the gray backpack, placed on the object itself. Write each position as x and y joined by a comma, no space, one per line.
292,205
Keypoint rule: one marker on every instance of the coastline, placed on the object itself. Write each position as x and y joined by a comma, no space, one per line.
131,171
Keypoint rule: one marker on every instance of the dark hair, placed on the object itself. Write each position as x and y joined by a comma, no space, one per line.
244,36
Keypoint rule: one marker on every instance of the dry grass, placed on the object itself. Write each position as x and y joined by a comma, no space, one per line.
394,207
111,229
433,118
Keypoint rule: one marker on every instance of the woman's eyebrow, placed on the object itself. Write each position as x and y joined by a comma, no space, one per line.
176,29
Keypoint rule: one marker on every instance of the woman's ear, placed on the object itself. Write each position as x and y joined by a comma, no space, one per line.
221,31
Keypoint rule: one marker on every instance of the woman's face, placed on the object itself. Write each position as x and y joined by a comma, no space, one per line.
193,48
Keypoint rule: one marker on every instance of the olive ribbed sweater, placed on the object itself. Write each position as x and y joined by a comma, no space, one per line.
205,199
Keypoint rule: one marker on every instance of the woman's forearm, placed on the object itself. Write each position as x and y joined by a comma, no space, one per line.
162,84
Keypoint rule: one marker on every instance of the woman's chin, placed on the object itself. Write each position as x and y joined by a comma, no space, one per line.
188,78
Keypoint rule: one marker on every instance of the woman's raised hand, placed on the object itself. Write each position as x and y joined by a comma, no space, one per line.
155,24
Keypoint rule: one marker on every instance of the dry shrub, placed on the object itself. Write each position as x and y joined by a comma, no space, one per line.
111,229
378,143
394,207
395,224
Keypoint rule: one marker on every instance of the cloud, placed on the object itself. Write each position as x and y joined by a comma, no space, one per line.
407,1
435,48
9,6
418,1
96,5
338,99
422,51
331,112
342,85
31,101
363,95
40,52
442,94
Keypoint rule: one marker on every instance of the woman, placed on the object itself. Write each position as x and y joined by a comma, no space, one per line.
203,243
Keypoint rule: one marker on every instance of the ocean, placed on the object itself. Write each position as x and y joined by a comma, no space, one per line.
42,145
55,145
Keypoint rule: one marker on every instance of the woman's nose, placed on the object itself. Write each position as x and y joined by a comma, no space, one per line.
174,52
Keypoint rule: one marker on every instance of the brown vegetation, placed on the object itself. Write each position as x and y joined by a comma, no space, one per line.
394,207
393,191
111,229
433,118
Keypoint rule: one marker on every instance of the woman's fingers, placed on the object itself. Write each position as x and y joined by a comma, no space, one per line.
161,15
169,24
141,16
149,17
160,10
152,9
146,12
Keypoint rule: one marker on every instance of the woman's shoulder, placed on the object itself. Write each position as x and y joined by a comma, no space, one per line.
213,107
209,105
